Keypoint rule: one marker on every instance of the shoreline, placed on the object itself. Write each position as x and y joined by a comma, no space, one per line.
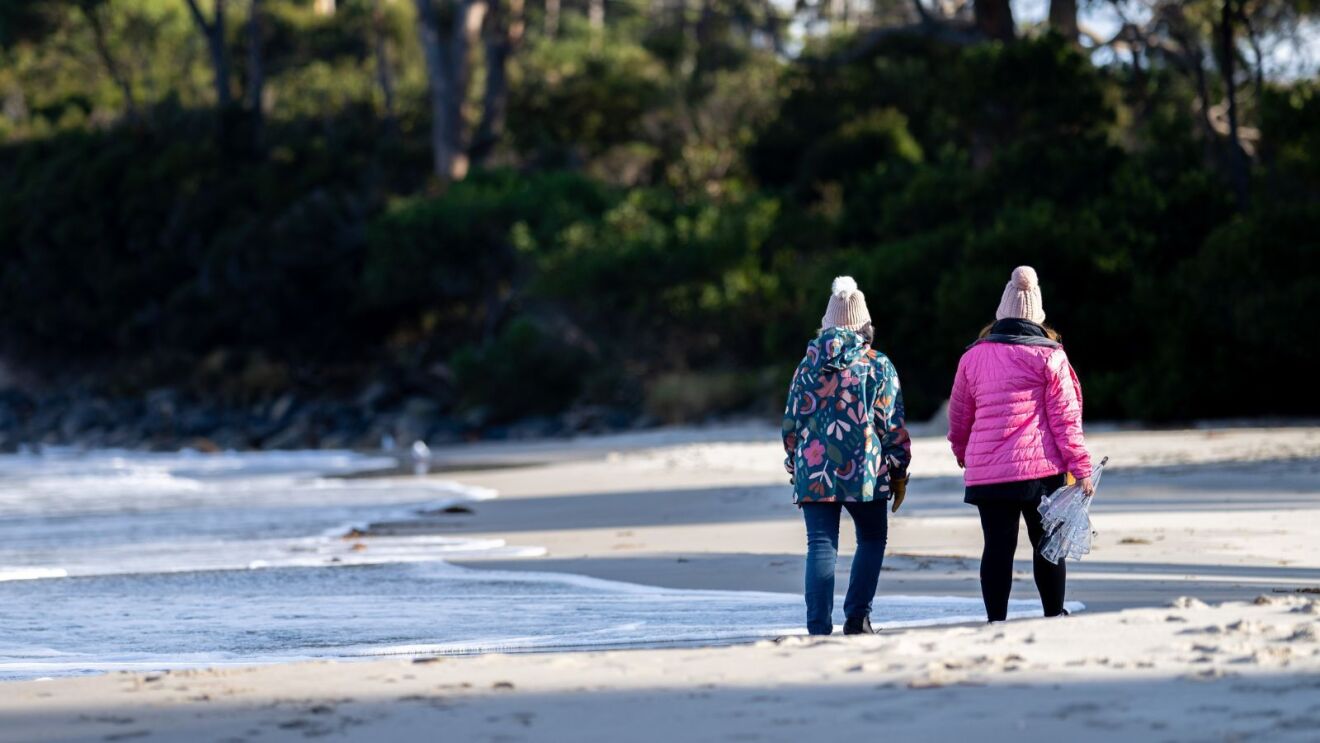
1189,672
1224,515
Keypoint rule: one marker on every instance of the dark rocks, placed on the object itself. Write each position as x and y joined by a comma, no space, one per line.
379,416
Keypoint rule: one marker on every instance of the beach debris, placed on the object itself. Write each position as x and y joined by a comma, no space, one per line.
502,686
421,457
1189,602
428,659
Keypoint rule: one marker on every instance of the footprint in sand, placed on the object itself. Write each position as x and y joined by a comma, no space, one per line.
1083,708
1210,629
110,719
937,678
1304,633
1209,674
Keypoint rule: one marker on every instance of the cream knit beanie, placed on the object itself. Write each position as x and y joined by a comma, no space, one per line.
1021,298
847,307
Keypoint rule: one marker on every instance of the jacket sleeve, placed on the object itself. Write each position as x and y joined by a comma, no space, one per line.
1063,408
962,411
890,423
789,427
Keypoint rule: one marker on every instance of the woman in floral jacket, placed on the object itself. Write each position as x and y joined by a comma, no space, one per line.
847,449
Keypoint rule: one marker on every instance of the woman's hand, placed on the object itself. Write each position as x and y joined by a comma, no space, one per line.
1088,487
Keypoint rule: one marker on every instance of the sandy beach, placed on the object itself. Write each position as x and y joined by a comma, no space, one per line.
1202,612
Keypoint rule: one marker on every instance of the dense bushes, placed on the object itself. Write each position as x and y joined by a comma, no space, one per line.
135,241
926,171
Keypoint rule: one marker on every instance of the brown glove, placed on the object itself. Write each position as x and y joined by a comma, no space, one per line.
898,487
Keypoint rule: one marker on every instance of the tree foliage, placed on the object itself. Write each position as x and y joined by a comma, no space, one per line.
657,203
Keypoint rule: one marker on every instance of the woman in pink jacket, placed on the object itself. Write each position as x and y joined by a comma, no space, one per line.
1015,422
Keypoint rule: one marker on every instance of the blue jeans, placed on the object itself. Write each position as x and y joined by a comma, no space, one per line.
871,520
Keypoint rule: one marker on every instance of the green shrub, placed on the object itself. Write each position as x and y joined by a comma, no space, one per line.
459,254
529,369
579,97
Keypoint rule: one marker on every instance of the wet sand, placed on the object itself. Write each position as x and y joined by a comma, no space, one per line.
1217,515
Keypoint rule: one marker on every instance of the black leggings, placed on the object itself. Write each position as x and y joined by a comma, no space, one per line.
999,524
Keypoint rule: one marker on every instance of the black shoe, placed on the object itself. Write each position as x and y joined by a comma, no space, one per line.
858,627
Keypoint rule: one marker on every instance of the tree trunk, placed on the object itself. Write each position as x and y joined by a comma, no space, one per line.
994,19
438,79
596,14
839,14
256,74
551,18
1258,74
384,72
923,15
772,28
112,67
1238,167
1197,64
504,33
214,32
702,32
1063,18
447,73
324,7
470,16
688,18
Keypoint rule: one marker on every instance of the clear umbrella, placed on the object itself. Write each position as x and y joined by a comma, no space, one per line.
1065,514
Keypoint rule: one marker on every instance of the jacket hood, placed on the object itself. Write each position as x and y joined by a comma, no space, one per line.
836,349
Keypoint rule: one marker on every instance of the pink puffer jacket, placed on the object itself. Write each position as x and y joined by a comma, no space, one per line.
1016,414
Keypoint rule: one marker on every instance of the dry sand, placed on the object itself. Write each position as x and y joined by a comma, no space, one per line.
1220,515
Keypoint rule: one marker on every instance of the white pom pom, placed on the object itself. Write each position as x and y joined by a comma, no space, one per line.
1024,278
843,286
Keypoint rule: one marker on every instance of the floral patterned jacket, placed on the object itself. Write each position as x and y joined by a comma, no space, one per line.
843,424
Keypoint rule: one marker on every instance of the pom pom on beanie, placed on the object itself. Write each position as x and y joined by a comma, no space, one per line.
1024,278
1021,299
843,286
847,307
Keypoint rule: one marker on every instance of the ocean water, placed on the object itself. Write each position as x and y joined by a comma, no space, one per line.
125,560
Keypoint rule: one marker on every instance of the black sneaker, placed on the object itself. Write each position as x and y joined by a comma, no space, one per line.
858,627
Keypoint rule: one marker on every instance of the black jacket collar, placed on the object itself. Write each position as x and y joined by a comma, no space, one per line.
1018,333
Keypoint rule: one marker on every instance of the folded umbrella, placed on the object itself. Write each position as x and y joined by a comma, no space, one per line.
1065,514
